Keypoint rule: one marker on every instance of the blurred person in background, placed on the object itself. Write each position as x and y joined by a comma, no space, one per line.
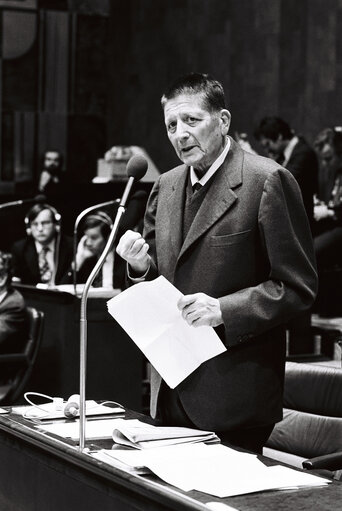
292,152
45,254
13,312
51,173
328,207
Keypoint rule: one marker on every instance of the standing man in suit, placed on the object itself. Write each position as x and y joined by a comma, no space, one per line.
293,153
239,248
45,255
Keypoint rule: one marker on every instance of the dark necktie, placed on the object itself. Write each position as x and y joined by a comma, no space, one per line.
197,186
44,268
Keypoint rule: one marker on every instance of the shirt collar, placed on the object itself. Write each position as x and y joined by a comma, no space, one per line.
3,295
212,169
39,246
289,149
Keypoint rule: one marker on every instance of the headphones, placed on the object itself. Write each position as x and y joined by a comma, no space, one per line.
102,217
35,210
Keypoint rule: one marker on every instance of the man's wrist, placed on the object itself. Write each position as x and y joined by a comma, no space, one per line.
136,275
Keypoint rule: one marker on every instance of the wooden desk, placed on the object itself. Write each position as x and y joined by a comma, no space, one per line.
114,363
40,472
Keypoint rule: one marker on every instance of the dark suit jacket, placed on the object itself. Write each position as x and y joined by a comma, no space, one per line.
25,260
250,246
303,165
13,322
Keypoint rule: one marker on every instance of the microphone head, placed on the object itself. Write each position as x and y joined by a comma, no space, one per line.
137,167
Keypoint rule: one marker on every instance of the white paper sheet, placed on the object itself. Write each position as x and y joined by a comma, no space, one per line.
148,312
94,429
215,469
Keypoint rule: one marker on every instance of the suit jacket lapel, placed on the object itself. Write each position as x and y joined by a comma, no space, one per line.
219,198
176,210
31,257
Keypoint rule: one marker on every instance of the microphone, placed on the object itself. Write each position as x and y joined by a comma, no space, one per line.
136,169
20,202
72,406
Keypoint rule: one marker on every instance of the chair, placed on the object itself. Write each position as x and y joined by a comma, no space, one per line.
310,434
22,363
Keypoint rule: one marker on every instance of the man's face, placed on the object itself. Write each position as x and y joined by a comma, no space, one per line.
197,135
52,160
330,160
273,148
43,227
95,241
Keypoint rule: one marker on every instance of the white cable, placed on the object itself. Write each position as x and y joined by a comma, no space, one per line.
47,412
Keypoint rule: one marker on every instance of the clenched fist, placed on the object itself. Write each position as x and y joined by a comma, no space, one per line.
133,248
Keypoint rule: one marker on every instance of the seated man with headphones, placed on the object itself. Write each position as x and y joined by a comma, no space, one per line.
96,228
45,255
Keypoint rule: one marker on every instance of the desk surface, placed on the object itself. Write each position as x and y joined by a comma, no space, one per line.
82,475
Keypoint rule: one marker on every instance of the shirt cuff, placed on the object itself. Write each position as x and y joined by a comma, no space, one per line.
140,278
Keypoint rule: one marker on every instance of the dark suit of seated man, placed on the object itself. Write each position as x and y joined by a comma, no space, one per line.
240,250
13,313
45,255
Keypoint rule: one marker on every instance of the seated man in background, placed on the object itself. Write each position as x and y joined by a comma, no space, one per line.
45,255
96,228
293,153
328,209
13,313
51,173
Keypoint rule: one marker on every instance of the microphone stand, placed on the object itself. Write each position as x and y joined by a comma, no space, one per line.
78,219
136,169
83,317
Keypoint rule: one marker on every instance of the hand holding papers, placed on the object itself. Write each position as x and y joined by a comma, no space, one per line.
148,313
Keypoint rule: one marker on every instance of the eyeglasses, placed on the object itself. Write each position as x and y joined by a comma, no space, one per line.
44,223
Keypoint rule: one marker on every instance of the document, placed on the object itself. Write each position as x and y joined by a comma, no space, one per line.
214,469
94,429
149,314
140,435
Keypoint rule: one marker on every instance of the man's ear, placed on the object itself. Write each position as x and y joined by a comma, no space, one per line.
225,118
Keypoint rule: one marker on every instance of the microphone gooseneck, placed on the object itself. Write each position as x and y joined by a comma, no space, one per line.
38,198
136,169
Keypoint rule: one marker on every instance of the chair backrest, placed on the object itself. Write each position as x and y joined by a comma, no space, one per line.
312,422
23,362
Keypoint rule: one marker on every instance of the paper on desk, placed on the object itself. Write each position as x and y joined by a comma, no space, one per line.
214,469
94,429
148,313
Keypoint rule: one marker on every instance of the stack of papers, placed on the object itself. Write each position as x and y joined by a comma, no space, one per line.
131,433
134,433
213,469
